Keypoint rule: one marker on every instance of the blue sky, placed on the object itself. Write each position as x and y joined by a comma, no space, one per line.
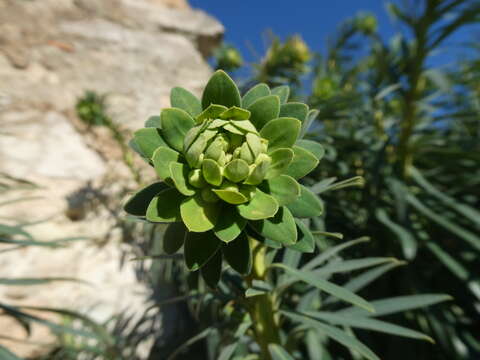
246,21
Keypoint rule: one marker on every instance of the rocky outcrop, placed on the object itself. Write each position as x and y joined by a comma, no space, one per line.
51,52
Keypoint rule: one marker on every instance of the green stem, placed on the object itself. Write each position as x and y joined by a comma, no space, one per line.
262,307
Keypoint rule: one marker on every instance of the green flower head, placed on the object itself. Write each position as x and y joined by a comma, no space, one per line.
229,167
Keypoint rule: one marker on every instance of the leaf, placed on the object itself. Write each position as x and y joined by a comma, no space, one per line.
261,206
281,159
199,248
138,203
231,196
295,110
326,286
352,265
213,111
211,172
281,227
238,254
175,125
283,188
153,121
302,164
221,90
305,242
283,92
280,133
185,100
278,353
259,171
235,113
165,207
259,287
311,116
236,170
174,237
148,140
244,126
212,270
306,205
263,110
398,304
359,282
199,215
314,147
230,224
179,173
161,159
336,334
255,93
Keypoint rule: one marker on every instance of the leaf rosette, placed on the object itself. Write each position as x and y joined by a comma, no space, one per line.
229,169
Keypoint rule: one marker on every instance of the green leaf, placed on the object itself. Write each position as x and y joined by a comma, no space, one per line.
263,110
238,254
230,224
352,265
281,159
211,172
278,353
305,242
261,206
359,282
153,121
244,126
213,111
236,170
307,204
283,92
175,125
235,113
259,171
212,270
281,227
295,110
199,248
198,147
179,173
148,140
165,207
255,93
336,334
199,215
174,237
314,147
185,100
231,196
398,304
138,203
161,159
221,90
283,188
326,286
281,133
302,164
312,114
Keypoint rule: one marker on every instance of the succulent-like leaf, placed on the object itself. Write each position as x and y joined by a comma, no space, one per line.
283,188
179,174
255,144
213,111
199,215
302,164
148,140
307,204
281,159
175,124
199,248
314,147
198,147
174,237
245,126
312,114
234,129
236,170
283,92
281,133
259,172
165,207
235,113
162,158
238,254
294,109
212,172
185,100
261,206
255,93
138,203
281,227
154,121
305,242
222,90
212,270
230,224
231,195
263,110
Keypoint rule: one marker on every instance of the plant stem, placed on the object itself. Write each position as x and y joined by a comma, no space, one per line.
262,307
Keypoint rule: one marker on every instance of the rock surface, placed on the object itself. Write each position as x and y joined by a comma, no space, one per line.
51,52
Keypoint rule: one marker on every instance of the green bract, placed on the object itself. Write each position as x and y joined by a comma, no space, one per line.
229,168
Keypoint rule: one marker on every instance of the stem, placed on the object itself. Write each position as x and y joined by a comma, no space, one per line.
262,307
